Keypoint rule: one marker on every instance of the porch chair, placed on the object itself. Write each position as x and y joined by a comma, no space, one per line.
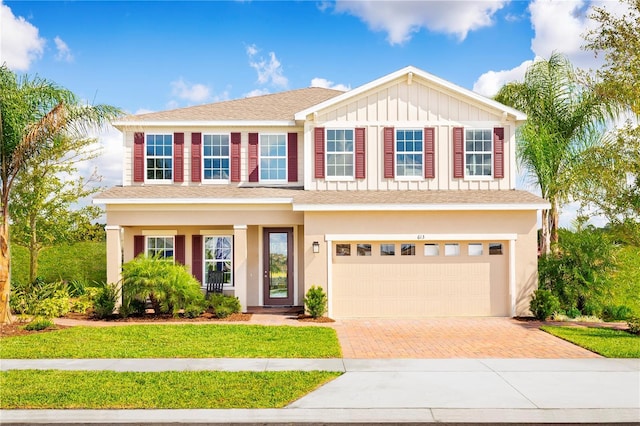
215,282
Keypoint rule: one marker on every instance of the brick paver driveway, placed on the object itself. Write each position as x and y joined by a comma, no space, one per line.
451,338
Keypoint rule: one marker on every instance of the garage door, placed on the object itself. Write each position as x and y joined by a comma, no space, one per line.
419,280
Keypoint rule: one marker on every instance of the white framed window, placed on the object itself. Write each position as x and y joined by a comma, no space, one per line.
452,249
159,157
273,158
215,158
218,257
478,153
340,153
475,249
431,249
409,153
163,247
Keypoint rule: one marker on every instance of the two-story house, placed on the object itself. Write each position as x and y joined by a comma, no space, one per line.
398,197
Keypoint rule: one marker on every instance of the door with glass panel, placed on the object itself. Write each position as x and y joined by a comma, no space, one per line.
278,266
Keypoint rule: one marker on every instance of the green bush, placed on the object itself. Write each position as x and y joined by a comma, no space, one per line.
39,323
81,304
169,287
104,302
194,310
223,306
616,312
55,306
315,302
573,313
543,304
634,325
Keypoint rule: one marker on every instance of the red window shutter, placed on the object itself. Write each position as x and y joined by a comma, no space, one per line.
292,157
196,257
389,172
458,152
235,157
196,157
138,245
138,157
253,157
178,157
498,152
360,153
318,136
179,254
429,153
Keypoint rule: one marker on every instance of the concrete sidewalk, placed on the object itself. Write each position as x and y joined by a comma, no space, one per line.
453,391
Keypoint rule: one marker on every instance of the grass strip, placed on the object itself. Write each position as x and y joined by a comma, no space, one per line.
607,342
176,341
54,389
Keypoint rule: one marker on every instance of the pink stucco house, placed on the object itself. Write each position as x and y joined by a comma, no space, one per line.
398,197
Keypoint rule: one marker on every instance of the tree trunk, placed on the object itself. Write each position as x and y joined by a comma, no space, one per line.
553,223
33,251
5,272
545,247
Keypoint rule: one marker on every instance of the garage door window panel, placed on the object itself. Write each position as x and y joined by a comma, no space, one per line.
408,249
364,249
452,249
431,250
475,249
343,249
495,249
387,249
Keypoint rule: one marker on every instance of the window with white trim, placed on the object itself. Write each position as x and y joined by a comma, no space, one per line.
159,150
215,157
218,257
273,157
409,153
162,247
340,154
478,152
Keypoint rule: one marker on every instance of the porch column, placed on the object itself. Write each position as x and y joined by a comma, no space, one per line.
240,264
114,255
512,277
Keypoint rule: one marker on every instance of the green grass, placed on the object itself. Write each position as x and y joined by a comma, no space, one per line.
40,389
85,261
604,341
176,341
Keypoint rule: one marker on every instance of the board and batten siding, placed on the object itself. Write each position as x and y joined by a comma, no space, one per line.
415,106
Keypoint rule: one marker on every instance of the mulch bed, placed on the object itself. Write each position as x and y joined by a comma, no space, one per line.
308,318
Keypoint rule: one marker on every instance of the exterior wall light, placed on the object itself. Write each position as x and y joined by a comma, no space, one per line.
316,247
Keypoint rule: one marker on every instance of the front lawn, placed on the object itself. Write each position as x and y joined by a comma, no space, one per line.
41,389
604,341
176,341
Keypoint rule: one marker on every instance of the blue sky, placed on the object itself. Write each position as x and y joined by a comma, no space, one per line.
156,55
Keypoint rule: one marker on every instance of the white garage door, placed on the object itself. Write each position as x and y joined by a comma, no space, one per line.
416,285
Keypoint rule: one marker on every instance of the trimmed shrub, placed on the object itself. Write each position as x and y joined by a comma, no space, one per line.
104,303
616,312
315,302
543,304
223,306
634,325
39,323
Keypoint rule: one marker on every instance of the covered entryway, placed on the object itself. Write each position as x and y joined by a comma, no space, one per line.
420,279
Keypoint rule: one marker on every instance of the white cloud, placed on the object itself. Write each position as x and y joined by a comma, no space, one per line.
401,19
20,43
269,70
256,92
64,53
190,92
327,84
558,26
490,82
109,163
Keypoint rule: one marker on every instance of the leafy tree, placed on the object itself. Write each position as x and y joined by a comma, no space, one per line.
33,112
564,119
41,203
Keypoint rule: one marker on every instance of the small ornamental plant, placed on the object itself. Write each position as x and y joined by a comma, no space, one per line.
315,302
543,304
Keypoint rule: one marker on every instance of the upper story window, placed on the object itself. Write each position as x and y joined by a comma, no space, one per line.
340,153
215,157
159,150
409,153
478,151
273,157
163,247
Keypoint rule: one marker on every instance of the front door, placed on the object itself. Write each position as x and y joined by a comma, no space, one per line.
278,266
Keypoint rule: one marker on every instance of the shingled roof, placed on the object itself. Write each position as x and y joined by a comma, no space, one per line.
275,107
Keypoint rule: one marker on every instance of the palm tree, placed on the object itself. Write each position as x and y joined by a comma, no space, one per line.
32,112
564,120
